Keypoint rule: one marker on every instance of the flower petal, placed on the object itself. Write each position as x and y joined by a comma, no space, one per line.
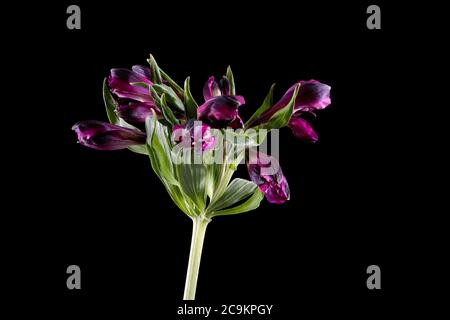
105,136
313,95
120,81
265,171
221,111
225,86
302,129
136,112
144,72
211,89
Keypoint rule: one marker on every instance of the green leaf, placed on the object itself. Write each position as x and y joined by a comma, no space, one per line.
174,190
110,104
267,103
236,191
191,105
167,113
159,151
251,204
140,84
172,83
154,71
230,78
171,96
192,179
281,118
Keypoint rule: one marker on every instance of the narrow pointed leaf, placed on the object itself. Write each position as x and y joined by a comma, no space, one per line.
230,78
191,105
237,190
251,204
110,104
172,83
167,113
154,70
281,118
267,103
172,99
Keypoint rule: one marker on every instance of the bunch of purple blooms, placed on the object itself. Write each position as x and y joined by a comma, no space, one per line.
149,113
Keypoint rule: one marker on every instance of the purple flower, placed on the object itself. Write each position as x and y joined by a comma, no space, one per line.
221,112
213,89
136,112
312,96
265,171
220,109
105,136
123,83
194,134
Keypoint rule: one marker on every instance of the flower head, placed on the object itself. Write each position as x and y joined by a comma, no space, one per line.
128,84
265,171
221,112
105,136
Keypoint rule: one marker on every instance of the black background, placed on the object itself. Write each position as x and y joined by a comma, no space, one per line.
352,196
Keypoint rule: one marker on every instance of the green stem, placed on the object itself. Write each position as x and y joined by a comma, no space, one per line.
198,236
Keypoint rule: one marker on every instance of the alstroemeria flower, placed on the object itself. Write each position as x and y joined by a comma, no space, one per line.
220,109
221,112
136,112
194,134
265,171
105,136
124,83
312,96
214,89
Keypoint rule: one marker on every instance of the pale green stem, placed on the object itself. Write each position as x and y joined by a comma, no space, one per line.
198,236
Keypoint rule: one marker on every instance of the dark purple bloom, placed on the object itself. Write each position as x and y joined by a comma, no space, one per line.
105,136
127,84
136,112
221,112
302,129
312,96
265,171
194,134
213,89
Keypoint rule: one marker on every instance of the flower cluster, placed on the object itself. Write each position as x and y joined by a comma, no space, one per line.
144,104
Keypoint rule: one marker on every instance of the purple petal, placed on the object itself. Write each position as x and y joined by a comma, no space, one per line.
221,111
211,89
144,72
225,86
302,129
105,136
194,134
136,112
120,81
266,172
313,95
